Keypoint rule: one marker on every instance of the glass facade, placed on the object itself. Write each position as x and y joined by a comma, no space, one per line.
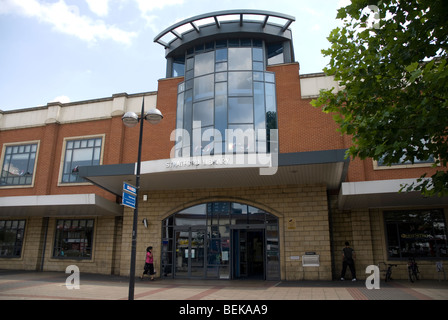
227,103
221,240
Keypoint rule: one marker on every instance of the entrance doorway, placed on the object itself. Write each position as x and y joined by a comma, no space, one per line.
248,257
190,252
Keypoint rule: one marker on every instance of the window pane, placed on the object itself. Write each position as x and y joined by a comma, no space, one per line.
240,83
275,54
240,59
204,63
221,55
257,54
241,138
259,110
203,87
203,112
241,110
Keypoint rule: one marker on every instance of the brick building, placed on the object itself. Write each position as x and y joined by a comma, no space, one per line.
242,177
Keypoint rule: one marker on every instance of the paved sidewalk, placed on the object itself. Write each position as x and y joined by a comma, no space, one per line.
25,285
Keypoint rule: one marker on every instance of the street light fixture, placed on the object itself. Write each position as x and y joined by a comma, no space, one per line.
131,119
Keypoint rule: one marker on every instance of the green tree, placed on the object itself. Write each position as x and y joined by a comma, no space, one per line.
393,76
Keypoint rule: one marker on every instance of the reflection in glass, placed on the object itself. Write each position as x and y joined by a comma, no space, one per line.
203,87
240,59
204,63
416,233
240,83
241,110
203,112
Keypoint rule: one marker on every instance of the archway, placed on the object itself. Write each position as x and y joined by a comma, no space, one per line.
221,240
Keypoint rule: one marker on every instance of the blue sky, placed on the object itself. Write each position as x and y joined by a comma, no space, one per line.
74,50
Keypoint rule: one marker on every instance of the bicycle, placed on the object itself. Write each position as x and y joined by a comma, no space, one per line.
413,270
388,271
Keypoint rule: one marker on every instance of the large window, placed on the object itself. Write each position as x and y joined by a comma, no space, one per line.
73,239
80,152
18,164
416,233
11,238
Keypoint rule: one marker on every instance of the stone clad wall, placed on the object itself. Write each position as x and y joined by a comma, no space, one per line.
302,213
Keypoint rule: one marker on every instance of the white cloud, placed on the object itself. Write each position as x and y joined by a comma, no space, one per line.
147,6
61,99
99,7
66,19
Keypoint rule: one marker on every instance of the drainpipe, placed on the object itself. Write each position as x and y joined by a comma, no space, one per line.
45,226
330,226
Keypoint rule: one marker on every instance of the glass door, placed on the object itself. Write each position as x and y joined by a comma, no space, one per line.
189,252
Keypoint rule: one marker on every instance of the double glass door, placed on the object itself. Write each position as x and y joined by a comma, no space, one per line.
190,252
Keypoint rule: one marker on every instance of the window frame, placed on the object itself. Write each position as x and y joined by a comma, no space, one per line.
404,165
3,156
64,152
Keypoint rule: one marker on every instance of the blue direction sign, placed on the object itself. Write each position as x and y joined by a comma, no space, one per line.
129,195
129,200
129,188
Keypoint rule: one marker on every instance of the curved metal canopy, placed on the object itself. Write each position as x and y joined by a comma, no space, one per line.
281,23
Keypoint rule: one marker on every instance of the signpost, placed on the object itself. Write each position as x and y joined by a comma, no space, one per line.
129,195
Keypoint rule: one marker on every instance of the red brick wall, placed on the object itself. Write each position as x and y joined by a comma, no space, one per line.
301,128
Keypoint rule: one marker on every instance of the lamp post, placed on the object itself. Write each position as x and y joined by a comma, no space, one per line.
131,119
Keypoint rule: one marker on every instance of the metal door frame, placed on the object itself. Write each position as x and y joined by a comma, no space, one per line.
190,230
248,227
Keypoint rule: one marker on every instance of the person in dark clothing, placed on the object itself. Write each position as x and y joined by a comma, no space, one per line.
348,259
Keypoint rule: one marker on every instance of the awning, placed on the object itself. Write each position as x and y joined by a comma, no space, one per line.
59,205
383,194
327,167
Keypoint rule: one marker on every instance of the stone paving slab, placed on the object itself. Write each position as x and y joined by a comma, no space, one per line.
18,285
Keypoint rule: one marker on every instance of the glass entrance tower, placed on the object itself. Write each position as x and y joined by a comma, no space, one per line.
227,101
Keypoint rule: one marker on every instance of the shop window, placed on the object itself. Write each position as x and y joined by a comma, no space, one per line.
80,152
416,233
73,239
11,238
18,165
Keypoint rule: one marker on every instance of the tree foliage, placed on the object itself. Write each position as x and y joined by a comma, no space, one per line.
393,77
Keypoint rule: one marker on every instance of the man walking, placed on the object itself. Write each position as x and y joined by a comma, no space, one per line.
348,259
